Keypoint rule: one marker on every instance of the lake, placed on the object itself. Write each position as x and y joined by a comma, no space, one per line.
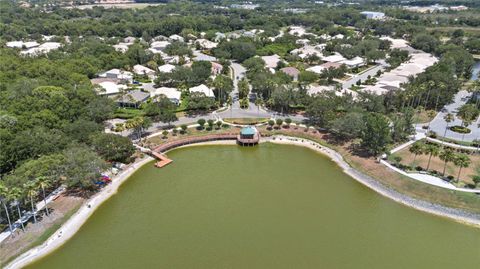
270,206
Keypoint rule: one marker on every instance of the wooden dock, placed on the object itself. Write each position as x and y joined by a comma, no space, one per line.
162,159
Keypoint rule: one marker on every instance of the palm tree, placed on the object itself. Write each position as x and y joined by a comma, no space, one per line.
447,156
42,183
448,118
433,150
3,200
15,195
462,161
31,193
417,148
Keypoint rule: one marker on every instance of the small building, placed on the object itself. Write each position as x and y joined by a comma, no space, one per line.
249,136
133,99
216,68
271,61
317,69
202,88
291,71
166,68
171,93
354,62
177,38
143,70
109,88
373,15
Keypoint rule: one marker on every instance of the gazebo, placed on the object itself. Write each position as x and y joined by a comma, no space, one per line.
249,136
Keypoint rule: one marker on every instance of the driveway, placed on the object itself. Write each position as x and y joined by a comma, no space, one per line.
438,124
364,76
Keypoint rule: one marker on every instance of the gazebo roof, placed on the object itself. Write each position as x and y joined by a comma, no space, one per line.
247,131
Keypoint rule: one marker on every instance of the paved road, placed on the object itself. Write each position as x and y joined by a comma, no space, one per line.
363,76
438,124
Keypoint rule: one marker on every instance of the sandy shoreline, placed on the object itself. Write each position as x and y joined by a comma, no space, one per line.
439,210
70,227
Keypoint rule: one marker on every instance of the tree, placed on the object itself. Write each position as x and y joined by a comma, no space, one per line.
432,150
223,86
15,195
307,77
3,200
416,149
184,128
201,122
279,122
271,123
447,155
162,109
31,191
210,123
201,71
448,118
42,183
113,147
138,124
288,121
462,161
376,134
82,168
425,42
349,126
243,88
164,134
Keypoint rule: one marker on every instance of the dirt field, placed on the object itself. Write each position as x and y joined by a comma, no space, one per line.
35,234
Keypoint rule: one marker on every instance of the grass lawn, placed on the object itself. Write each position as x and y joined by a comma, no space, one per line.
424,116
127,113
246,121
437,164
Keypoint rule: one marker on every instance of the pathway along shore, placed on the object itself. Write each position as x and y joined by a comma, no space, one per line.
69,229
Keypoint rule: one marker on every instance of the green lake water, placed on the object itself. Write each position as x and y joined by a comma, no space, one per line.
270,206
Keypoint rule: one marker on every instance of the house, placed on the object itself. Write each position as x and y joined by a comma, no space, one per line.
166,68
143,70
158,46
176,38
302,41
338,36
297,30
133,99
203,89
42,49
118,74
307,51
291,71
129,40
329,65
206,44
335,58
317,69
354,62
171,93
121,47
373,15
109,88
21,44
216,68
219,36
271,61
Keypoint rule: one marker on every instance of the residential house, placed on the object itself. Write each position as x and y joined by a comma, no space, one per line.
203,89
216,68
206,44
143,70
335,58
373,15
109,88
133,98
166,68
176,38
354,62
171,93
291,71
317,69
118,74
271,61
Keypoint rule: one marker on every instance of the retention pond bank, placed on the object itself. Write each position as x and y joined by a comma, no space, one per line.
271,206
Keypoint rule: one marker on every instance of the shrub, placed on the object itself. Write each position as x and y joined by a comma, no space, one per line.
184,128
460,129
476,179
174,131
419,168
